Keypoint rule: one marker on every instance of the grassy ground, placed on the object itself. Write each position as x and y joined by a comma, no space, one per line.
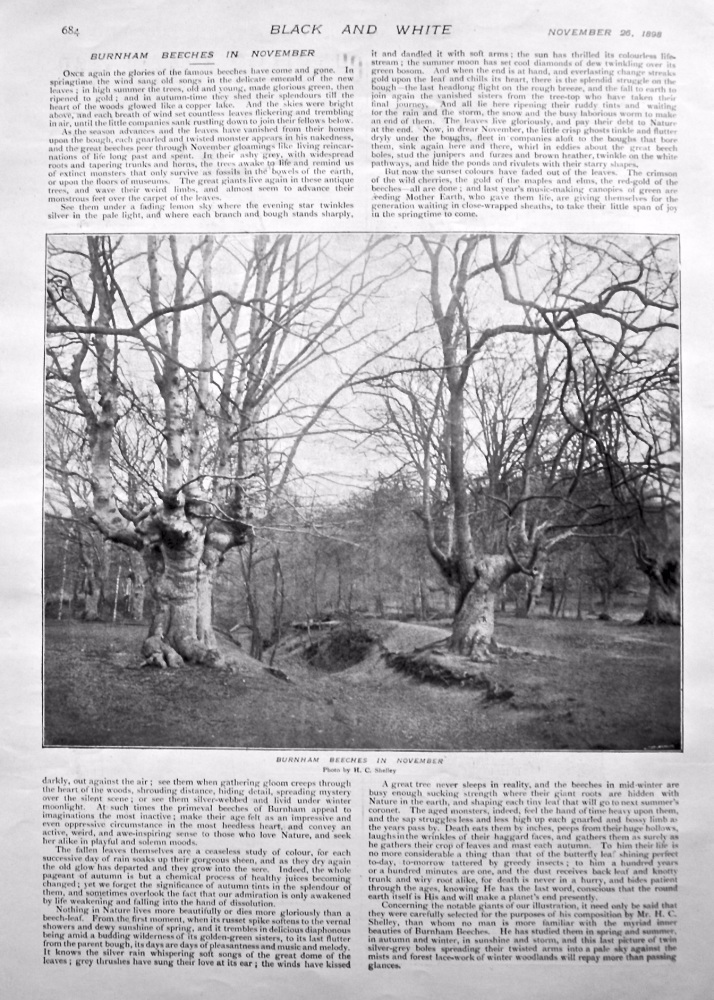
577,685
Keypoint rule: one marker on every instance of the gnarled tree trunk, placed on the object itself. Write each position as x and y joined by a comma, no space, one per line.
475,617
663,573
663,598
185,548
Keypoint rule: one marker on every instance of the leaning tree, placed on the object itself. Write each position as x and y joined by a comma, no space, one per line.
541,346
214,359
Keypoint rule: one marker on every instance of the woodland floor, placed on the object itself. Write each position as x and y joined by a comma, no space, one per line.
589,685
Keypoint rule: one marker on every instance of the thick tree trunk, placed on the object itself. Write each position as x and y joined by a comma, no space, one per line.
474,621
204,604
174,631
183,561
663,598
662,571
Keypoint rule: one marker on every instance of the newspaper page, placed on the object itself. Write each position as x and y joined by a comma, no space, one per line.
349,361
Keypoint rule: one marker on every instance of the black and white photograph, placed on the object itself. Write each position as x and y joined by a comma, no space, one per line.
356,436
348,490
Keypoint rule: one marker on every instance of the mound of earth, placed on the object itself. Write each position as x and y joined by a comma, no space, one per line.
405,647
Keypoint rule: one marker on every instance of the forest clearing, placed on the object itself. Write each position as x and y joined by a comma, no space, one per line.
389,490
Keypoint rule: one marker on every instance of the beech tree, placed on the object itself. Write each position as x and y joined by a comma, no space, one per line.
640,444
202,340
594,323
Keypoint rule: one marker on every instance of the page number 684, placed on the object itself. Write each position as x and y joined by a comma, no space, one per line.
69,30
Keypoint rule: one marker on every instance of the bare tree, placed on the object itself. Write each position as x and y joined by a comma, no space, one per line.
592,322
214,373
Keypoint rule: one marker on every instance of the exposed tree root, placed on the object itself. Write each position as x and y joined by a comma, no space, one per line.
661,618
500,649
277,672
446,670
430,645
159,654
